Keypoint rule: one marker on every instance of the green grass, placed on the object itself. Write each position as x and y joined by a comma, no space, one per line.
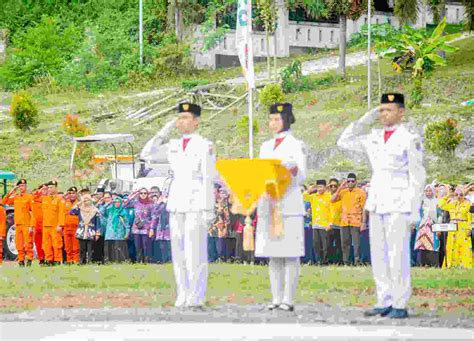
321,115
445,291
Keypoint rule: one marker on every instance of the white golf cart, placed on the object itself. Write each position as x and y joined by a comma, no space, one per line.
127,173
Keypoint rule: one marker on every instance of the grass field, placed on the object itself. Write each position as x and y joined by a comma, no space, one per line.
439,291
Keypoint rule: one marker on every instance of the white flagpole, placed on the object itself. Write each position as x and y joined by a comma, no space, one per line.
369,92
250,108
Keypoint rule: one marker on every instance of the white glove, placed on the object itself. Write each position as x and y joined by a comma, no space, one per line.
370,116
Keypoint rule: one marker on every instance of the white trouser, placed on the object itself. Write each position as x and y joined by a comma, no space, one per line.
284,273
390,256
189,253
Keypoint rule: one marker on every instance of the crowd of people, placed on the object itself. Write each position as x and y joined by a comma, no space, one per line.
80,227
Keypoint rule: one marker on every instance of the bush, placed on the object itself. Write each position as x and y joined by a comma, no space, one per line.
191,84
73,127
243,126
290,76
443,137
40,51
24,111
271,94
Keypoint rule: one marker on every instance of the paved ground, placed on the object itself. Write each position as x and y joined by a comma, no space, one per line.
232,313
222,331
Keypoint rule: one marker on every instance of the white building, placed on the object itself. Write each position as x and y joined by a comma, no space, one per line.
294,37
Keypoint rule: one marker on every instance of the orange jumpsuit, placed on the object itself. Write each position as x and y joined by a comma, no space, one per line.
71,243
3,230
53,216
23,237
37,209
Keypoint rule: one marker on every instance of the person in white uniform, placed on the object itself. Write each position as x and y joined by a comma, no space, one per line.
191,203
395,195
284,251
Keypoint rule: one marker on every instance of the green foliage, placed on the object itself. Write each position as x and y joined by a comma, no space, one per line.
24,111
243,126
314,8
443,137
406,11
271,94
352,9
191,84
417,52
40,51
469,10
290,76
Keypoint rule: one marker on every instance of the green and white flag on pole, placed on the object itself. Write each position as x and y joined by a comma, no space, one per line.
243,39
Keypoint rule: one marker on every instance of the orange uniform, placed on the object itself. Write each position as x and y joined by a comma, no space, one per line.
23,237
53,216
3,230
71,243
36,207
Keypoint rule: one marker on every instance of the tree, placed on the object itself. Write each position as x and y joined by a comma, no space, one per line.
406,11
416,51
351,9
268,14
469,8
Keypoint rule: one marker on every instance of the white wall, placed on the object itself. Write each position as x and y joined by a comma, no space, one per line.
291,34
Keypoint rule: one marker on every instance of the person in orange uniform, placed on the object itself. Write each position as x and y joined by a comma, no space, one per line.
53,222
37,210
21,201
71,222
3,230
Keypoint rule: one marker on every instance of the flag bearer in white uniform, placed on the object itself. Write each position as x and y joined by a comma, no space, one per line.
394,199
285,250
191,203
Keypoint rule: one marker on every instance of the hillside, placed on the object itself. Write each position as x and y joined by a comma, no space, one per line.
321,115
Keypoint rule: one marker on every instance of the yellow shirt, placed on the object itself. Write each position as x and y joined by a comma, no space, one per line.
320,208
352,206
336,213
457,210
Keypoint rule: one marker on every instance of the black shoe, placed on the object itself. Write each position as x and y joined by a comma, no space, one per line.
286,307
272,306
378,311
21,263
196,308
41,262
28,263
398,314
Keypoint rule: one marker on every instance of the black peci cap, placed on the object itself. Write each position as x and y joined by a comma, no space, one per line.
189,107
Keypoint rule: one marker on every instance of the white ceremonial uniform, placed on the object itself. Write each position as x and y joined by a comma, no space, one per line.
393,201
191,203
284,251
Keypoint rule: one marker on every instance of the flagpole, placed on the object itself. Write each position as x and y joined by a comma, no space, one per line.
369,86
250,108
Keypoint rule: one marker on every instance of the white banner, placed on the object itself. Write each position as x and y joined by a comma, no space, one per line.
243,38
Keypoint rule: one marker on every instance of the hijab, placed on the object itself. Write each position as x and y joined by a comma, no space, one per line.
87,208
429,205
115,213
144,201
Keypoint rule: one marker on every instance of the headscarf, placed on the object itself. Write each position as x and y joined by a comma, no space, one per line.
115,213
429,206
144,201
88,210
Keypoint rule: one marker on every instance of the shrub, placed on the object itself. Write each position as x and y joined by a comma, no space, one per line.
443,137
271,94
40,51
73,127
191,84
290,76
24,111
243,126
